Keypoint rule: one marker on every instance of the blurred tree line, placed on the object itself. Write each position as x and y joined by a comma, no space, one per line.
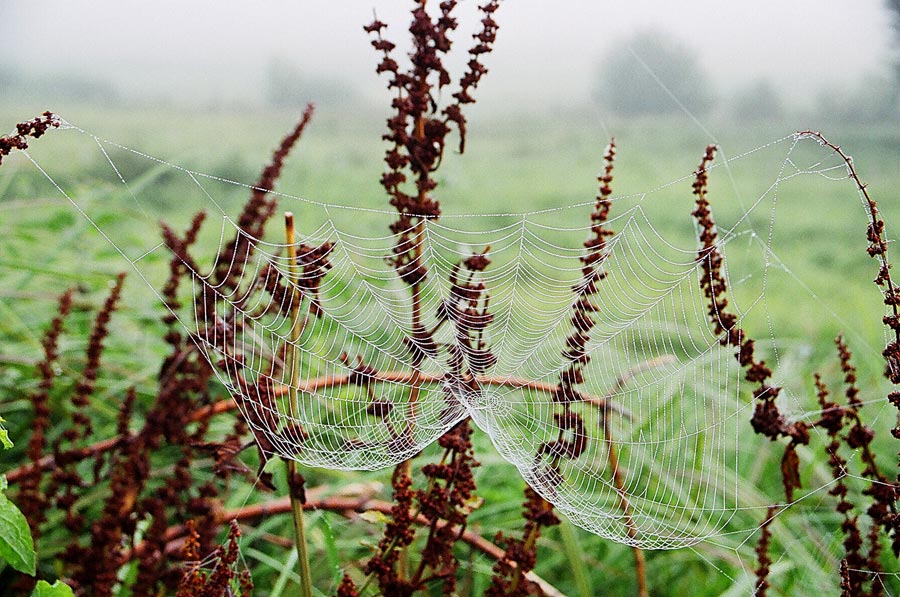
652,74
286,85
894,10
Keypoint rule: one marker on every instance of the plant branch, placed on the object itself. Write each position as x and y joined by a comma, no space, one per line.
295,482
322,383
873,214
335,381
613,460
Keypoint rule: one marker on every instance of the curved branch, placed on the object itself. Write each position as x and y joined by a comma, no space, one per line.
516,383
49,461
334,381
873,214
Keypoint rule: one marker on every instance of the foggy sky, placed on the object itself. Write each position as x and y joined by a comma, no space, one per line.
546,53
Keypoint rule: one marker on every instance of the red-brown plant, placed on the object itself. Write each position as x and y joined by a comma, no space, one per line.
163,518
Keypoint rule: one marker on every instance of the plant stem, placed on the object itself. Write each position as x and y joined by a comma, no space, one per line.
403,556
574,552
323,383
293,359
873,211
640,567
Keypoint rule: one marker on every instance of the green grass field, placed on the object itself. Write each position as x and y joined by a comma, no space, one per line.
817,284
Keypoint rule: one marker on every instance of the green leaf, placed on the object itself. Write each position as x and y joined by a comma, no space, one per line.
4,436
375,517
57,589
16,544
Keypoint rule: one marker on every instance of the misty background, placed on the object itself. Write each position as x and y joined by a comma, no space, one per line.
762,60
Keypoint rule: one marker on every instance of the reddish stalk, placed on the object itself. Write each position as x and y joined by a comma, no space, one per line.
885,495
618,479
878,248
640,561
762,555
313,385
877,225
767,419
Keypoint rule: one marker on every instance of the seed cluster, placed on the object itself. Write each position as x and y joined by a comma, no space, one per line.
34,128
572,437
767,418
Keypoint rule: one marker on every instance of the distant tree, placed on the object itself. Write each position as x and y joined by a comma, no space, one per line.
758,101
634,78
8,77
54,86
893,7
876,98
873,101
287,86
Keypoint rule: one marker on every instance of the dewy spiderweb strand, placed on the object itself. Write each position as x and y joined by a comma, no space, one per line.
655,378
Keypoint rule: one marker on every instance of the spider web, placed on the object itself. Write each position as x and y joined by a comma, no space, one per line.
665,412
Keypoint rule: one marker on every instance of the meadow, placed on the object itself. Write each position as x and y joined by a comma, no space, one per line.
819,287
